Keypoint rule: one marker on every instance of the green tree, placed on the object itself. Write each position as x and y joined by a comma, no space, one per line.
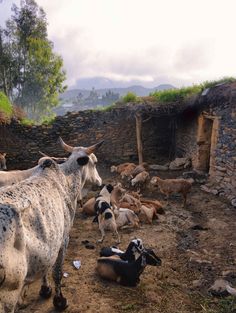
36,79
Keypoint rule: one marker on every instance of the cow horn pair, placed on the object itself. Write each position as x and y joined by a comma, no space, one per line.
88,150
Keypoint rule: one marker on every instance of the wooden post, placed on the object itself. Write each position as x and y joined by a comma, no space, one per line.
138,119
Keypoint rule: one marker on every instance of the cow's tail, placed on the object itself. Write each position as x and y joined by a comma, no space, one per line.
2,275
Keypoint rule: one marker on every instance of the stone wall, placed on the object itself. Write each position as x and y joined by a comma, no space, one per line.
219,106
223,170
116,127
164,136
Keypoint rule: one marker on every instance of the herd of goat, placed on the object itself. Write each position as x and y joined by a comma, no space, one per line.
37,209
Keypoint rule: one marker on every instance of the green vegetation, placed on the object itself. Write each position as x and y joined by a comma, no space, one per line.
48,119
172,95
104,108
130,97
45,120
5,105
212,83
31,73
27,122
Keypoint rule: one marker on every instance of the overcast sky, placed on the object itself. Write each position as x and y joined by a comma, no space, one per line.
170,41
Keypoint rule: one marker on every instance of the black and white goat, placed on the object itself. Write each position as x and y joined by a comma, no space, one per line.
135,246
126,273
105,214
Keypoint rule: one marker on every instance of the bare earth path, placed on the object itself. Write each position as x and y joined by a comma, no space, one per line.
196,245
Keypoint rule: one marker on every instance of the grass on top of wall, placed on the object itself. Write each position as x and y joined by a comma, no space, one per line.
178,94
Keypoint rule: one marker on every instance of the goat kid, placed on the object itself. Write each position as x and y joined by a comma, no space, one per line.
134,247
126,273
126,217
105,214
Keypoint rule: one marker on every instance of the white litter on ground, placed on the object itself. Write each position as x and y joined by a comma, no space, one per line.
77,264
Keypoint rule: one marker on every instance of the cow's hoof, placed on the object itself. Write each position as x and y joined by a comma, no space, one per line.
45,292
60,303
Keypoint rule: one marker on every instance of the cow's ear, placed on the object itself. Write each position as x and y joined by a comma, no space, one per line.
4,154
47,163
83,160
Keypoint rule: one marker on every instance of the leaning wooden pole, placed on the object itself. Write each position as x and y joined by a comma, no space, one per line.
138,119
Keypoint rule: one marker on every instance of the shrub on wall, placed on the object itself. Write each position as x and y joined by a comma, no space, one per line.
130,97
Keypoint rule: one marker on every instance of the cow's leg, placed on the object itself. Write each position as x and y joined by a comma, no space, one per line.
45,291
59,301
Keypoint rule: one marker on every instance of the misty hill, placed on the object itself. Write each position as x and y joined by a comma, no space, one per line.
141,91
83,99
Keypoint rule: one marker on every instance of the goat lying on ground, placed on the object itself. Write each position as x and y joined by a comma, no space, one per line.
123,272
105,214
135,246
140,179
3,165
139,169
157,204
126,217
116,194
170,186
130,202
124,169
147,213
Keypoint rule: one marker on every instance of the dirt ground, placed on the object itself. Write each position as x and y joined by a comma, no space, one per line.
196,245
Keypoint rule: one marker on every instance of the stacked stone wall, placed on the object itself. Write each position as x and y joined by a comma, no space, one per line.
116,127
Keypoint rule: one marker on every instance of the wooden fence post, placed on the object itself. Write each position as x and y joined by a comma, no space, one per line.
138,119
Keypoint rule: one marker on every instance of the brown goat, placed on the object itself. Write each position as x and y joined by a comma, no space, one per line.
139,169
124,169
157,204
147,213
170,186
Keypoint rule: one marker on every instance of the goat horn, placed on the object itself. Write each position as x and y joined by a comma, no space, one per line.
92,149
65,146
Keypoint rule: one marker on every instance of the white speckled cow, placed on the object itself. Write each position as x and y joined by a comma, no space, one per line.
36,216
3,165
12,177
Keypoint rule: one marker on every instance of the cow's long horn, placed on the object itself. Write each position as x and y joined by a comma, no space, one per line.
65,146
92,149
58,160
43,154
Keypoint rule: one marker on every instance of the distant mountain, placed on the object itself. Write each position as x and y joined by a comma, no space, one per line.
82,99
141,91
106,83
